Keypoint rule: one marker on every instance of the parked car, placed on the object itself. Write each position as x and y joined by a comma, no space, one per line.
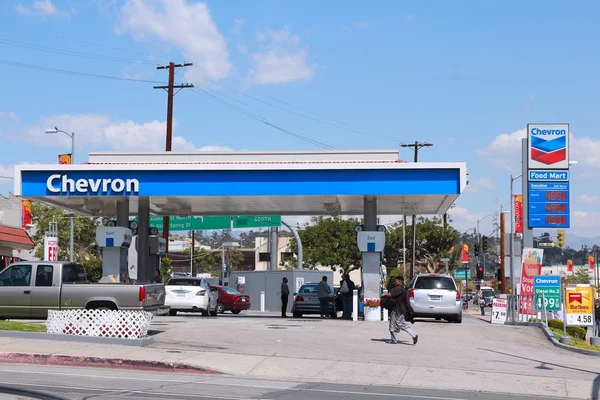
488,295
231,300
435,296
29,289
306,301
188,294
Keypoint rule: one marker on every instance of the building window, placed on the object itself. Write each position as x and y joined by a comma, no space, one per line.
264,257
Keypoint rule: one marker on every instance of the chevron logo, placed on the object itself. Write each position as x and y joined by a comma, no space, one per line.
549,151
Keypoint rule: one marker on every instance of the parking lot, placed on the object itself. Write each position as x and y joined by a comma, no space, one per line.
473,345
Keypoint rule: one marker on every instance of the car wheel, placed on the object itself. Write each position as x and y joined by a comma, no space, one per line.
458,319
236,312
220,308
297,315
204,313
213,313
172,313
333,315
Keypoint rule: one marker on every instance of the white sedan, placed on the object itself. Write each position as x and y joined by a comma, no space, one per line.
188,294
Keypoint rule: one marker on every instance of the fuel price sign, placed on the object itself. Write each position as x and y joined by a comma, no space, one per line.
546,287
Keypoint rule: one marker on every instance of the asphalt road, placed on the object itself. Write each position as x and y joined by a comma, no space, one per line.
98,384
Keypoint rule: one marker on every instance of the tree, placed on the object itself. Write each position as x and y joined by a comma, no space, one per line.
204,260
166,269
434,241
84,238
236,257
93,269
580,275
330,242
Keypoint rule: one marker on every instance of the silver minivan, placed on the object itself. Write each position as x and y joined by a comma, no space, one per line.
435,296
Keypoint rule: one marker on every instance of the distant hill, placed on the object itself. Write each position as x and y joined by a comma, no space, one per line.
576,242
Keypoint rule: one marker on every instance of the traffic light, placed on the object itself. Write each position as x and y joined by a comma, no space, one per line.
484,244
561,238
479,272
476,249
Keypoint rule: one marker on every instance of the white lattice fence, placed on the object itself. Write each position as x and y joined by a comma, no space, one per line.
102,323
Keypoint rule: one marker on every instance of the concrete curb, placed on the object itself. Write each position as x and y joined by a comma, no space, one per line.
76,338
550,335
50,359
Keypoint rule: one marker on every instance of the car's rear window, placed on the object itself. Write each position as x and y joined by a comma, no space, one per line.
435,282
229,290
308,289
488,293
184,282
73,273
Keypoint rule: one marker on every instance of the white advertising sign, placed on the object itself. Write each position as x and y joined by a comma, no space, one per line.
50,248
371,241
499,310
548,146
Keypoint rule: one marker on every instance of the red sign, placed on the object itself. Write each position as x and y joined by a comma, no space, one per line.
518,213
531,265
575,297
464,257
591,262
26,218
569,265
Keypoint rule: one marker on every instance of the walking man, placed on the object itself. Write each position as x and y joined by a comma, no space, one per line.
323,293
285,294
402,311
597,316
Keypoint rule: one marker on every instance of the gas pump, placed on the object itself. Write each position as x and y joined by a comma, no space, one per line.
114,242
156,248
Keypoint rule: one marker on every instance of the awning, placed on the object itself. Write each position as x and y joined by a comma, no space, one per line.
15,238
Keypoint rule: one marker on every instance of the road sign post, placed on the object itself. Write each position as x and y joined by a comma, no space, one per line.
546,289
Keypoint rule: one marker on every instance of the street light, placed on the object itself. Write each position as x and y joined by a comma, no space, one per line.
52,131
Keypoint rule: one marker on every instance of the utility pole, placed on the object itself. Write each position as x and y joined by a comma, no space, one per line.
502,253
170,88
416,146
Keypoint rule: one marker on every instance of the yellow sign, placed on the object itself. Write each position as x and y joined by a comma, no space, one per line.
579,305
64,159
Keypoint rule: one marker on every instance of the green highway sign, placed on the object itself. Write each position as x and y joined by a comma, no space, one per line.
256,221
459,273
195,223
204,223
549,286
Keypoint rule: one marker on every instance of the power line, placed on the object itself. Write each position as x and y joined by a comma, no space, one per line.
73,53
266,122
334,123
68,72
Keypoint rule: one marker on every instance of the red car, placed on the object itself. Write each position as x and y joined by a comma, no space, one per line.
231,300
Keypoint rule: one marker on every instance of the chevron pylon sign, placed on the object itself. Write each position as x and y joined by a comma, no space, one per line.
548,146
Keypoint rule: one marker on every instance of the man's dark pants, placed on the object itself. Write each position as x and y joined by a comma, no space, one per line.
324,305
284,304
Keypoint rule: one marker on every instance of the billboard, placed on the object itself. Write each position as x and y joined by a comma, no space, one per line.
518,213
548,146
531,265
579,305
464,256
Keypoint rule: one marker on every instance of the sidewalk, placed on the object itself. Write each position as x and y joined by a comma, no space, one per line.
339,351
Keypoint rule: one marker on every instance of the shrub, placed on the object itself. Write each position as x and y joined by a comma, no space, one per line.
576,332
166,268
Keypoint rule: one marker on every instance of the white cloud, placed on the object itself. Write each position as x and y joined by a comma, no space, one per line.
94,130
357,26
584,198
479,184
188,27
505,150
44,8
584,223
282,59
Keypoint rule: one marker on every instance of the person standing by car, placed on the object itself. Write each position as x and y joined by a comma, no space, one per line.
323,293
346,290
398,317
597,316
285,294
157,277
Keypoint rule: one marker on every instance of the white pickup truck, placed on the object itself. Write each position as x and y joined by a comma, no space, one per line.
29,289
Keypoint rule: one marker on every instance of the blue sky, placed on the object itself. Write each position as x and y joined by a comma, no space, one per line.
466,76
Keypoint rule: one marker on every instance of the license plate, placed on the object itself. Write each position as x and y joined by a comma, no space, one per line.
180,294
435,297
